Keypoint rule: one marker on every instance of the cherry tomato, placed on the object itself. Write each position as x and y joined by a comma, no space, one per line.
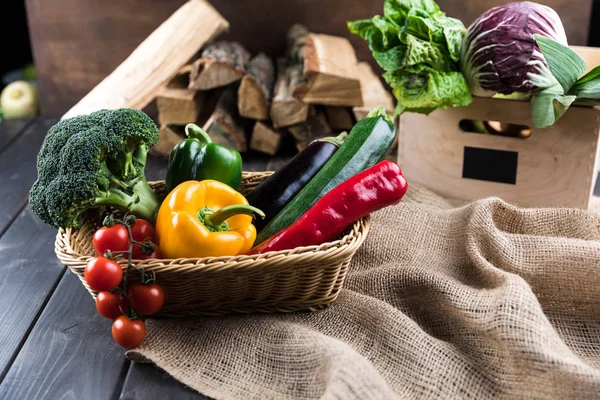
138,253
146,299
102,274
157,253
114,238
128,333
108,304
141,231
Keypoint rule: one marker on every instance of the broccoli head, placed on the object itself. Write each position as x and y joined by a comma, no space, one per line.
95,160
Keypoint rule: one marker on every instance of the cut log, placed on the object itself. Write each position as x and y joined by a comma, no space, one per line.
329,67
254,94
296,39
220,64
169,136
373,92
265,139
181,80
313,128
339,118
137,80
176,103
286,110
178,106
225,126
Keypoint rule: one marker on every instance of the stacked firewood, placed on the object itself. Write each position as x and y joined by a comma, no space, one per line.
256,103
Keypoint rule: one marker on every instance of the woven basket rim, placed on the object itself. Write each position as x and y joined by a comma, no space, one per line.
63,243
347,244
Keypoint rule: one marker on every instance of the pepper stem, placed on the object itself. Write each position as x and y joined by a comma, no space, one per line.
215,219
193,131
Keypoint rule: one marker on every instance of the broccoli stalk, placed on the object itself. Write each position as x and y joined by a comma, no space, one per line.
135,196
95,160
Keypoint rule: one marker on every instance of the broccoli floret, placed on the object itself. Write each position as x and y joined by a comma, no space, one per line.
95,160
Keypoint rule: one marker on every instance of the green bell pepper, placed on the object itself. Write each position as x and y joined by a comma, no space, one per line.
198,158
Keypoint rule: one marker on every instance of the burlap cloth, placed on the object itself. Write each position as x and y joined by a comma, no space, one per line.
479,301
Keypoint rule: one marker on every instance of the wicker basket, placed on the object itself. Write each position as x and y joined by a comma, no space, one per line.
306,278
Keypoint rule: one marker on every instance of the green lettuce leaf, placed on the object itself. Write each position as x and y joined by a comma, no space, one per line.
454,33
422,52
390,59
421,88
397,10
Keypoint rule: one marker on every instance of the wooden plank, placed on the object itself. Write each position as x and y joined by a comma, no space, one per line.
18,170
147,382
10,130
70,352
29,271
156,60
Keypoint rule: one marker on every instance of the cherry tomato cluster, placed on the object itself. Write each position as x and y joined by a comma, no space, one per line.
115,239
117,300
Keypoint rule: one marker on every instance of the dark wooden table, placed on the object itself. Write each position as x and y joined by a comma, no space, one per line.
53,343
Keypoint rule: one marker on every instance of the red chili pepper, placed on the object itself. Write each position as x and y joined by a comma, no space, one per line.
377,187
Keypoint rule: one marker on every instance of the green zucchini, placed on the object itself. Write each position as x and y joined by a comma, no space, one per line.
366,145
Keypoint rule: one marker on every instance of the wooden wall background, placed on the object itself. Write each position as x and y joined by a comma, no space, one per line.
76,43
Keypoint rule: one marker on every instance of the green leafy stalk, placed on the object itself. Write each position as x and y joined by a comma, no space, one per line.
549,105
588,86
565,64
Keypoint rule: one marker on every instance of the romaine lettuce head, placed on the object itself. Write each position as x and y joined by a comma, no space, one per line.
419,47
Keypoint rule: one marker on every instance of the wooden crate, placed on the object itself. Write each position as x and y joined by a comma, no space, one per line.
555,166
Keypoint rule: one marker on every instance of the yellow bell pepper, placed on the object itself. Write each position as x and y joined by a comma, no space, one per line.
205,219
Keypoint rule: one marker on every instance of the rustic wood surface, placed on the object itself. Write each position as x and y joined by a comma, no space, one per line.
76,43
54,344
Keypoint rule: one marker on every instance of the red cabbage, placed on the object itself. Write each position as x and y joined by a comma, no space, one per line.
500,54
